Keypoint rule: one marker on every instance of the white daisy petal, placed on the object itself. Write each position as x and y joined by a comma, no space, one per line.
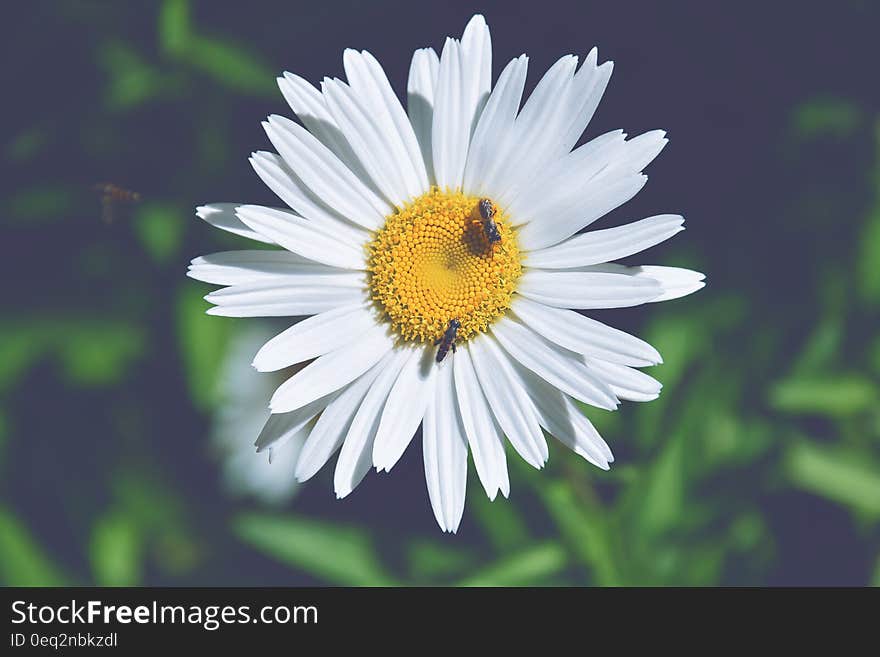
282,427
640,151
302,237
444,451
331,428
315,336
576,102
482,432
559,185
404,409
528,147
368,80
356,455
449,132
423,72
563,420
600,246
366,139
463,85
588,289
222,216
675,282
563,369
511,406
494,125
278,177
597,198
579,188
325,174
234,267
370,123
289,295
584,335
476,43
589,85
332,371
626,382
311,108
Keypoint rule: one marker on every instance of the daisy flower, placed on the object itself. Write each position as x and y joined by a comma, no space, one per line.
456,220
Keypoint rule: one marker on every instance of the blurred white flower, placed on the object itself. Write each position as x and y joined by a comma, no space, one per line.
240,414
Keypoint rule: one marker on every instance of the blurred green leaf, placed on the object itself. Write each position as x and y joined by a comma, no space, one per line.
116,551
844,477
662,493
703,564
231,65
499,519
832,394
869,258
132,81
747,531
527,567
149,501
876,168
22,561
158,513
98,353
338,554
202,338
821,346
874,355
160,228
679,339
174,26
428,559
92,352
26,145
586,532
729,440
826,118
21,344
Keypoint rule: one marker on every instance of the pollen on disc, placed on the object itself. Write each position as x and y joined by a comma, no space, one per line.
432,262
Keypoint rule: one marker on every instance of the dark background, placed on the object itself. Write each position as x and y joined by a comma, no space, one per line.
760,463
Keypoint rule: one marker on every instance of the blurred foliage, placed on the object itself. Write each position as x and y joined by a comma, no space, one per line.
22,560
764,447
341,555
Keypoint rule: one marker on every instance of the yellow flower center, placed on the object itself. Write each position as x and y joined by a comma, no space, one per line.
432,262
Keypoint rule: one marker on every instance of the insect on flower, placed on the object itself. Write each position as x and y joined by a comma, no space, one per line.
448,339
487,214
